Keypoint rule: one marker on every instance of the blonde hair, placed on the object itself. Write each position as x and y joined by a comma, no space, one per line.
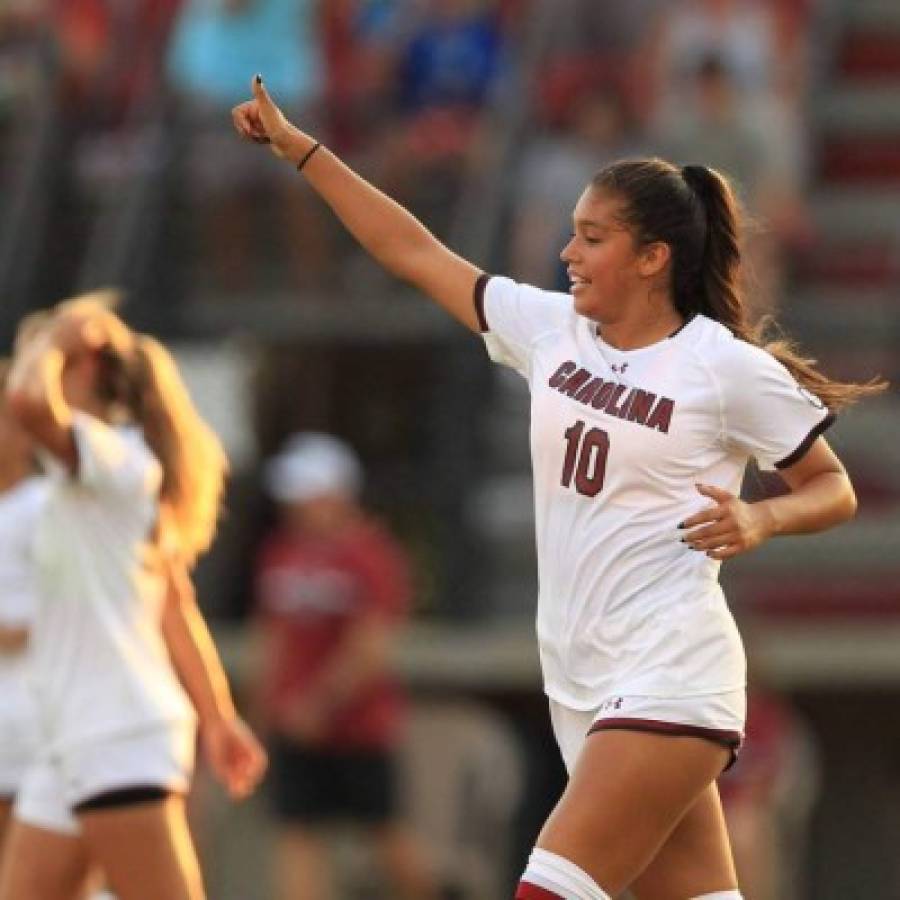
193,462
139,374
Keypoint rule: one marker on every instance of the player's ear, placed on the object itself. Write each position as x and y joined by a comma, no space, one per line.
653,258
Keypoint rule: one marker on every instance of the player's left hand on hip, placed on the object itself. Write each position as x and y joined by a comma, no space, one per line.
728,527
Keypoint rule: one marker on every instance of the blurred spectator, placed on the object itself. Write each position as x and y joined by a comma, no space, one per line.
714,127
593,132
445,73
361,43
23,28
332,587
108,54
791,20
590,44
767,797
750,39
22,22
741,33
215,50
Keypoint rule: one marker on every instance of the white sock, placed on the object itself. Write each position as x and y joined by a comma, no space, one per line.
559,875
721,895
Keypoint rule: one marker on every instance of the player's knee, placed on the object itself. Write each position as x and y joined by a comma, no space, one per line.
549,875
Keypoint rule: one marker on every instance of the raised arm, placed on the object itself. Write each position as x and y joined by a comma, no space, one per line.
34,391
56,358
390,234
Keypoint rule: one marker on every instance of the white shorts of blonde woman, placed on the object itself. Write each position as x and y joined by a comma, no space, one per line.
160,757
18,746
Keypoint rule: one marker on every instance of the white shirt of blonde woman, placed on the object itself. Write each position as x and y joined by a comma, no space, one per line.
619,439
20,507
100,665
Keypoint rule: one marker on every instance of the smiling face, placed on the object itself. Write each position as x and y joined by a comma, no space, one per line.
608,272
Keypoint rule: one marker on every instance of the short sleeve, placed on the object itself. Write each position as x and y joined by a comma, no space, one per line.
513,316
765,412
114,460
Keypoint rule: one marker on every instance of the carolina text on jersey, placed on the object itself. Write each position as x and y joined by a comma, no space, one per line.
615,399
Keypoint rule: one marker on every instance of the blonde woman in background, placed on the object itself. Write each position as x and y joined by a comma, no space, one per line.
121,658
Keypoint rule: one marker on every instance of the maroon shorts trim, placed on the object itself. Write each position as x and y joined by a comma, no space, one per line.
731,740
478,298
529,891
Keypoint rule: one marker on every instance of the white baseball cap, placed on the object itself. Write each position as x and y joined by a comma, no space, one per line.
311,464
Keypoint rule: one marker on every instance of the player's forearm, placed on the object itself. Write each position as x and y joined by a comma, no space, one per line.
389,233
35,396
360,658
196,659
34,387
824,501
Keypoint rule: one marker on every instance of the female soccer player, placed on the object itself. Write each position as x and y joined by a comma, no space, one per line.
650,392
120,656
21,498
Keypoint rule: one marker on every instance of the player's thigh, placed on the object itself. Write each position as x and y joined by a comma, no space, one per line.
145,850
41,865
696,858
627,792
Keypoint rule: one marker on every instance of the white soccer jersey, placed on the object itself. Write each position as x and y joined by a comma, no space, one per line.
99,661
619,439
20,507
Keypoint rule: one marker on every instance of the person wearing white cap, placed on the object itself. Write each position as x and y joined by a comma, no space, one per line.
331,588
311,465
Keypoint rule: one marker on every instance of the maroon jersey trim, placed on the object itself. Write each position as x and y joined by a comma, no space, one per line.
807,442
478,297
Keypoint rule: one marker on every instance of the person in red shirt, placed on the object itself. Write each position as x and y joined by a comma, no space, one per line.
332,586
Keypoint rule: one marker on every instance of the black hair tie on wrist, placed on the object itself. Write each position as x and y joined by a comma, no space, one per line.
308,156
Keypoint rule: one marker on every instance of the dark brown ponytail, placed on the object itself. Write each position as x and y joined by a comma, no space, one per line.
695,211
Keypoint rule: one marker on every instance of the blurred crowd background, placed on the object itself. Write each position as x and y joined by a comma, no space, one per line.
486,117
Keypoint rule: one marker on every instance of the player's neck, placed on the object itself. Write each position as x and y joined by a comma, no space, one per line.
642,328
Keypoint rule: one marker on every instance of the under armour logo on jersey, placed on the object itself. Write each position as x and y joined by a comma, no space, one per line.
620,369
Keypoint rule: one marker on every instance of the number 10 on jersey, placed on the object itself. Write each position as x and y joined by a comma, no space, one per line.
586,454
